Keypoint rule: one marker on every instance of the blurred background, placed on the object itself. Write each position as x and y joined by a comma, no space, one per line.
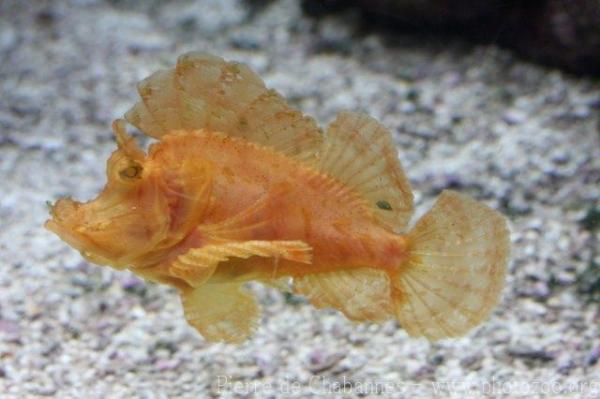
497,99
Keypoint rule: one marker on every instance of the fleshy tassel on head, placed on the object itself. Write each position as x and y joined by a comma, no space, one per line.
126,142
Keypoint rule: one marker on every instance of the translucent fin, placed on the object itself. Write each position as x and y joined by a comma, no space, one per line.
206,92
161,98
361,294
221,312
455,272
282,284
197,265
359,152
141,117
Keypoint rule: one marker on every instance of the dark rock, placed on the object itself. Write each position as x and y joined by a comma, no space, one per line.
292,299
539,290
9,331
513,117
243,42
472,362
46,17
321,360
82,282
591,220
434,12
565,364
562,33
436,359
588,282
166,364
530,354
49,390
134,285
593,357
323,7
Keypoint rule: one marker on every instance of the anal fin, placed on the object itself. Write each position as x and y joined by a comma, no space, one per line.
361,294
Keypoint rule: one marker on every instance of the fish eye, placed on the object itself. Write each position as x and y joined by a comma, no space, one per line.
132,171
384,205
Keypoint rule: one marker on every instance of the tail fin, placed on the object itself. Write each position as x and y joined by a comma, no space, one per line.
456,268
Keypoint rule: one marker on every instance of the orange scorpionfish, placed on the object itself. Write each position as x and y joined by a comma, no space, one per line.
240,187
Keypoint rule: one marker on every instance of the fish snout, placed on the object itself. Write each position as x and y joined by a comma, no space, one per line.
65,222
64,210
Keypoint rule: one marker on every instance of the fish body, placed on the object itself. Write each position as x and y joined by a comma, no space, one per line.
288,200
240,187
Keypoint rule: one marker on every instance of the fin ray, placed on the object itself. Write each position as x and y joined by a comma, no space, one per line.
221,312
361,294
206,92
453,277
197,265
359,153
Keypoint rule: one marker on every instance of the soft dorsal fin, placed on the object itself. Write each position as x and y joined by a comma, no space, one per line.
359,152
361,294
206,92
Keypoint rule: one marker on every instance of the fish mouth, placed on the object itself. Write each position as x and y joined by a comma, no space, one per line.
67,222
62,223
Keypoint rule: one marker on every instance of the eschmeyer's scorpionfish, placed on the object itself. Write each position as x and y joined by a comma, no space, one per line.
241,187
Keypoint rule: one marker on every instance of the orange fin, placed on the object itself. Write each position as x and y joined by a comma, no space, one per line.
221,312
197,265
359,152
206,92
361,294
458,253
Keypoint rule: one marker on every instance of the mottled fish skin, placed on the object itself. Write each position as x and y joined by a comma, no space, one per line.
241,187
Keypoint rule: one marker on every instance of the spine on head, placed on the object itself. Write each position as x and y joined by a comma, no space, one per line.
455,271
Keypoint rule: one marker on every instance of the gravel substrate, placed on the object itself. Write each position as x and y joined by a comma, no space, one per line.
521,138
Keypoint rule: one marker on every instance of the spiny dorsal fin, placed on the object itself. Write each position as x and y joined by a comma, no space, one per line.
206,92
359,152
361,294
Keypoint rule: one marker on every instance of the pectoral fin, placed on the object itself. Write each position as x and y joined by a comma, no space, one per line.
221,312
197,265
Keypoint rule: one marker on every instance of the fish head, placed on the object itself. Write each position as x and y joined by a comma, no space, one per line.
126,220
